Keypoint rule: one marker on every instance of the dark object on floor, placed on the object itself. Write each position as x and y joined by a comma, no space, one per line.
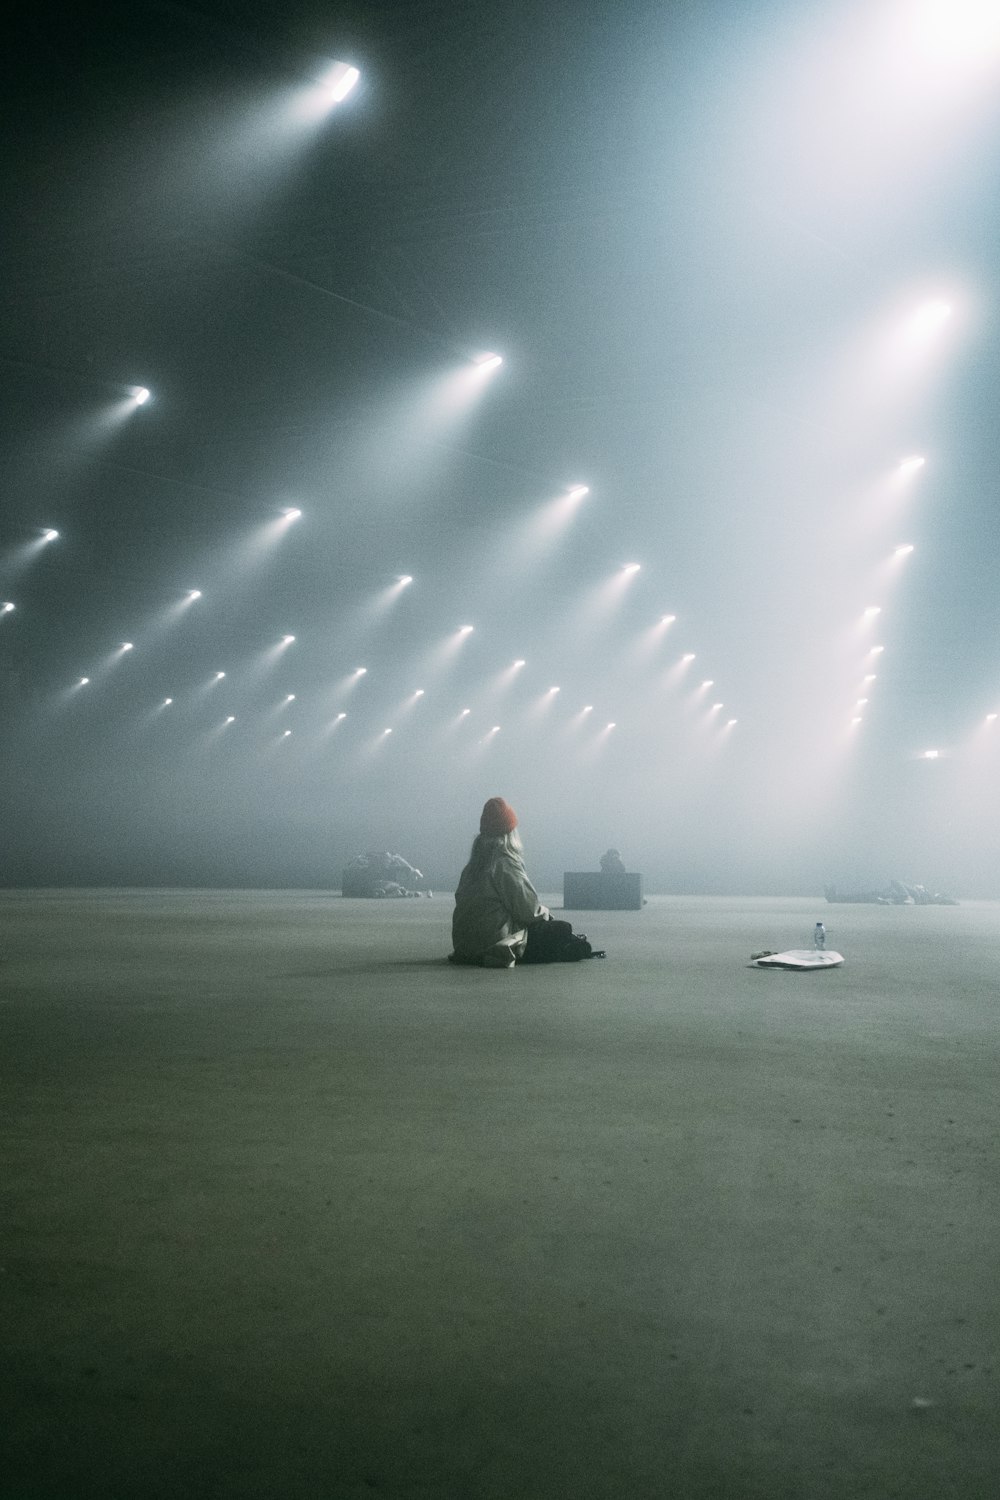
593,890
555,942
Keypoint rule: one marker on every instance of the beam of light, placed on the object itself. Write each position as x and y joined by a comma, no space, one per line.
465,712
551,691
385,732
716,707
687,657
856,719
289,697
341,80
667,619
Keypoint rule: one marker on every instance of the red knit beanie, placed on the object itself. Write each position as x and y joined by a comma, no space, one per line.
498,818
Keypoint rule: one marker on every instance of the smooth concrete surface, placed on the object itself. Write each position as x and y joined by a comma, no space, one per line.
293,1208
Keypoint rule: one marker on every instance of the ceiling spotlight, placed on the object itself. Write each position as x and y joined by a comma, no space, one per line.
578,491
861,703
285,734
929,316
553,690
291,514
631,567
912,464
708,683
667,619
716,707
730,723
611,725
904,550
930,754
167,702
872,611
219,676
418,693
588,708
83,681
520,662
289,697
48,535
231,719
869,677
688,656
405,578
466,629
6,608
489,361
990,718
495,729
387,731
127,646
876,651
340,716
140,395
194,593
286,640
341,79
360,671
464,712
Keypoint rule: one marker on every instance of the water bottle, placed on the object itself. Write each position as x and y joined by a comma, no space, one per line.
819,937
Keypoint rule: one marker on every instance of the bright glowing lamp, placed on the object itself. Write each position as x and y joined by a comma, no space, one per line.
708,683
405,578
127,646
931,754
667,619
611,725
990,718
872,611
83,681
7,608
631,567
140,395
466,629
912,464
418,693
360,671
219,676
578,491
286,640
289,697
231,719
489,361
339,82
167,702
49,535
194,593
285,734
520,662
904,550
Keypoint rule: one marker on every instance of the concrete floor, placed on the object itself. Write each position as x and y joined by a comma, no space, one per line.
291,1208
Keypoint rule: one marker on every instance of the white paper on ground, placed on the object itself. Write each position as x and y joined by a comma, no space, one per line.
800,958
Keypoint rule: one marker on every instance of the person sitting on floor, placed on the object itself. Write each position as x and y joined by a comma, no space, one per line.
498,919
612,863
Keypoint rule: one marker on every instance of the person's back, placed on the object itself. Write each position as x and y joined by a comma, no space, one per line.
495,901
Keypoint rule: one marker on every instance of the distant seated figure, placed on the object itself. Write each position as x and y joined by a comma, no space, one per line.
612,863
379,874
